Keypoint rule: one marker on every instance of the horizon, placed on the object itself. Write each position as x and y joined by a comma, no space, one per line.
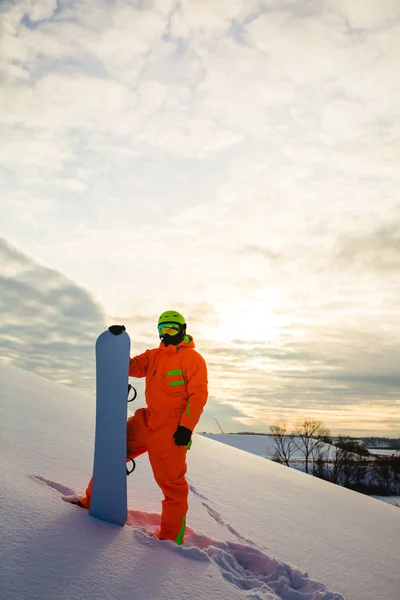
235,161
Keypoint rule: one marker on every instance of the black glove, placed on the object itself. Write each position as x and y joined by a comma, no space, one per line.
116,329
182,436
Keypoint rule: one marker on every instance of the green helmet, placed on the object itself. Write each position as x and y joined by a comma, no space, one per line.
171,327
171,316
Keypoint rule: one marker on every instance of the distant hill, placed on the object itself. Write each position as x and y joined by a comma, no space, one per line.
258,444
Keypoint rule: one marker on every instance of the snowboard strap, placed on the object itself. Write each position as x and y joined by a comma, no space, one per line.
133,465
134,392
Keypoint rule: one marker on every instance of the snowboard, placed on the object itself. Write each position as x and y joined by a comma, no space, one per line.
109,498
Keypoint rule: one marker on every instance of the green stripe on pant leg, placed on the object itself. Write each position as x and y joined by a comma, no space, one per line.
181,533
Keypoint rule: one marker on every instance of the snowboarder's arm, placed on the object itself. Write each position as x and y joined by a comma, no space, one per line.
197,387
138,365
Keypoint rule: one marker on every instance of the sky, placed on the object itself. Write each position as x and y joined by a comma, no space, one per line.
237,161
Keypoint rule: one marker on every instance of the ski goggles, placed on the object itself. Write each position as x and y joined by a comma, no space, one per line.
169,328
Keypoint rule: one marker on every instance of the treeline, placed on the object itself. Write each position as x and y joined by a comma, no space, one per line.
340,460
381,442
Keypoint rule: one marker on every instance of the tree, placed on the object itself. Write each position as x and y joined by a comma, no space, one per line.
344,464
312,435
387,471
284,442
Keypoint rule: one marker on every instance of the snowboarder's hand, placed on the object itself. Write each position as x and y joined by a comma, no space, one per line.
116,329
182,436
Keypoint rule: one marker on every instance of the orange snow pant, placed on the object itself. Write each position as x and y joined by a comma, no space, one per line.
168,462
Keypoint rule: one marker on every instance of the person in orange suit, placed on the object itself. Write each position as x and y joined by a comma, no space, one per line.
176,393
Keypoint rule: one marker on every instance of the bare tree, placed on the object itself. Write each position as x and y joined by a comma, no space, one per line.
311,436
284,443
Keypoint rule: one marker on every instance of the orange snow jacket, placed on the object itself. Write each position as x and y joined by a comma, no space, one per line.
176,383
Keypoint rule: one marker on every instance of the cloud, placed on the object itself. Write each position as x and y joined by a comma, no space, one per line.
42,9
230,418
377,250
366,16
237,157
264,252
336,371
50,324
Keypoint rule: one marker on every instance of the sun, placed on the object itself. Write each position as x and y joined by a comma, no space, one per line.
254,318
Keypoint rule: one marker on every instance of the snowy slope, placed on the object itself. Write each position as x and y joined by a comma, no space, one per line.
257,528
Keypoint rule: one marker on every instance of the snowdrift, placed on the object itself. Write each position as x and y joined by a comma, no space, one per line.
257,530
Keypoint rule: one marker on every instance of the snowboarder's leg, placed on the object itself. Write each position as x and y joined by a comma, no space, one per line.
136,445
168,462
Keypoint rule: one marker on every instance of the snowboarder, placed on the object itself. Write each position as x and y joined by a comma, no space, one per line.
176,392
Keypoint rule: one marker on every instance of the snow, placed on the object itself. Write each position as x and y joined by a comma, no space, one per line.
384,452
261,445
257,530
395,500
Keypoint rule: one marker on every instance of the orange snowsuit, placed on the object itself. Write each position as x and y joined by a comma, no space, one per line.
176,392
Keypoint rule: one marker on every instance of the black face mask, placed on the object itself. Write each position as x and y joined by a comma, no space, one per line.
173,340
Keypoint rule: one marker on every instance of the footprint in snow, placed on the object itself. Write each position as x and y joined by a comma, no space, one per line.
66,491
218,518
243,565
